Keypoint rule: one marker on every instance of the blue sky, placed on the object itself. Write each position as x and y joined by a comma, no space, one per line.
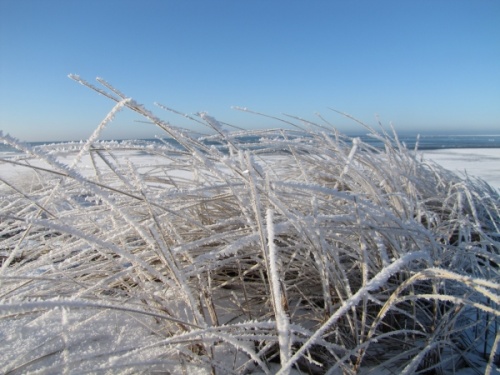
424,65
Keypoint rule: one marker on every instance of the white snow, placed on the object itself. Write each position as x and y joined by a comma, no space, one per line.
482,163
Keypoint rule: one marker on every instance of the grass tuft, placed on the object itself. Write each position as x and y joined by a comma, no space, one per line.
245,251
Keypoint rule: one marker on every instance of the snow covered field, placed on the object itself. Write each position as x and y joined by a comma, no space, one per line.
476,163
483,163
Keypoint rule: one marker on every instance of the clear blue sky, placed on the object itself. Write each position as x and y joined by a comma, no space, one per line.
422,64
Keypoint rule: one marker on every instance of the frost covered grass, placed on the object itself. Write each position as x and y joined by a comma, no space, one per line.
301,251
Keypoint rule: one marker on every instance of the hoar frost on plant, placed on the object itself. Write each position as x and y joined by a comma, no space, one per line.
257,251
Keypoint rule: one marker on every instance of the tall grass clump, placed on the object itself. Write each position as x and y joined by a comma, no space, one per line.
273,251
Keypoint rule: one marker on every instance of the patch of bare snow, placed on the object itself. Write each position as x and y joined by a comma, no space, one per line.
483,163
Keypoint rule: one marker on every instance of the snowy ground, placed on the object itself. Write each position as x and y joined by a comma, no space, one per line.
483,162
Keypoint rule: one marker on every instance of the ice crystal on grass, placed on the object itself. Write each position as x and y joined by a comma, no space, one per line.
244,252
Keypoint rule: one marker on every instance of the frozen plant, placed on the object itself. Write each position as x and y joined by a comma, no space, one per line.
271,251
